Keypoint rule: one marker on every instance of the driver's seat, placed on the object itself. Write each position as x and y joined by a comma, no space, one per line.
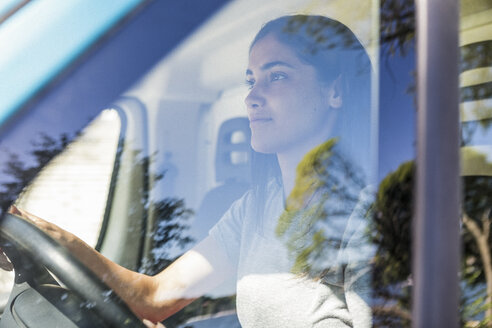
232,172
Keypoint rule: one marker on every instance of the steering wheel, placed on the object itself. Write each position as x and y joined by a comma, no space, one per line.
42,249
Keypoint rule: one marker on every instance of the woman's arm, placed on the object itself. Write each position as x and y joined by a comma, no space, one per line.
151,297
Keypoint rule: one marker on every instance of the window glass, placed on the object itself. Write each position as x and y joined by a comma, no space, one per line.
476,157
392,213
183,155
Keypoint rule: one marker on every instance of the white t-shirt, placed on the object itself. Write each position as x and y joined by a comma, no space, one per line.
269,294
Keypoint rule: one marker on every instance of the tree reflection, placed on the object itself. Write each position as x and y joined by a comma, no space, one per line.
169,231
477,256
397,27
20,172
170,215
391,232
170,227
327,193
317,211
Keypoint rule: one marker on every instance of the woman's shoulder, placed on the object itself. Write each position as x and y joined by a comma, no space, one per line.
261,194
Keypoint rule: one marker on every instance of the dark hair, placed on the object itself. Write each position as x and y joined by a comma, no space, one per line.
334,51
326,44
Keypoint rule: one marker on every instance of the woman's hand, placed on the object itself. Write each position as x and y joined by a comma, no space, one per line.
49,228
5,263
25,215
150,324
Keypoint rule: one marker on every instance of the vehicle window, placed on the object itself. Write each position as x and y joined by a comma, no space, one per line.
176,158
184,157
390,229
476,146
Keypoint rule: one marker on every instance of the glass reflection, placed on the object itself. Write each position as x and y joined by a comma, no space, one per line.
318,216
476,159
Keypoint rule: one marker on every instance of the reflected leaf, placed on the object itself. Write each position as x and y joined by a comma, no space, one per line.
397,27
169,231
390,231
20,170
316,220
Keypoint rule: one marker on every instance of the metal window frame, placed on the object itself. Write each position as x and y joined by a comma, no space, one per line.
436,240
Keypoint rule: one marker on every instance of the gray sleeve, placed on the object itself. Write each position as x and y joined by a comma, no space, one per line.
227,232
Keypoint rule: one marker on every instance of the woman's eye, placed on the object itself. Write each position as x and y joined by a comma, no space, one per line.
277,76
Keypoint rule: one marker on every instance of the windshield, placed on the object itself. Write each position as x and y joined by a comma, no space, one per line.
282,133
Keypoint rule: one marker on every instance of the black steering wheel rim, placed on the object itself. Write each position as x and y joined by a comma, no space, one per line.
25,236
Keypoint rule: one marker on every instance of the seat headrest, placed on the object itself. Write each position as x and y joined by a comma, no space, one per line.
233,155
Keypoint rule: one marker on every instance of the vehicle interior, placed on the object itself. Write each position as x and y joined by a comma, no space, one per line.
138,142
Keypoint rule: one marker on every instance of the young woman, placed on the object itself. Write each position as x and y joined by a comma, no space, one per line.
293,256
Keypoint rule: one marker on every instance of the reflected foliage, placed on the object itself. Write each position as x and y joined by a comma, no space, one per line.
170,226
323,34
477,189
169,231
397,27
396,30
20,172
171,215
397,36
477,255
315,188
390,231
316,217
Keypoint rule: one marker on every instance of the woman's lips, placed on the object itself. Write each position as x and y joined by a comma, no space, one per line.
258,121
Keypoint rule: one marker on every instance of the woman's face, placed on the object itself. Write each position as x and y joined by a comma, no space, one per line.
288,107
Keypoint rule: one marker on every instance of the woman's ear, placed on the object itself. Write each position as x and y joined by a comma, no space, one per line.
335,93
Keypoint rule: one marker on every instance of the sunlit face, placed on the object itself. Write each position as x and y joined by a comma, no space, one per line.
287,106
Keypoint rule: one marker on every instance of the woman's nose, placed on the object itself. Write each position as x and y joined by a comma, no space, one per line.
254,99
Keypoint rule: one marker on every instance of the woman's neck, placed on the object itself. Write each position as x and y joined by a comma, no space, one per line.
288,162
289,159
288,172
